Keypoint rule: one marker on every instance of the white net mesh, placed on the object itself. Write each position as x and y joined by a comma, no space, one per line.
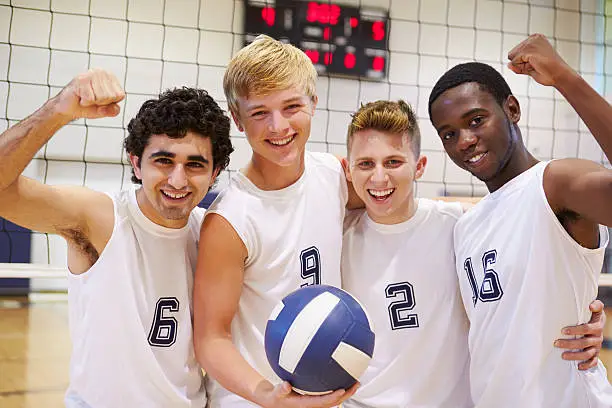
155,44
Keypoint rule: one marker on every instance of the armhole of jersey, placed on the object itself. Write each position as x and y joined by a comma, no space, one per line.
116,221
242,233
603,233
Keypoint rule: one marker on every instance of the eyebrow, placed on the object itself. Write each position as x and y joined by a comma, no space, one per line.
286,101
163,153
465,115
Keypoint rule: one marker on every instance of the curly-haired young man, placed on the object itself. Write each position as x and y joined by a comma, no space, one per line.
131,256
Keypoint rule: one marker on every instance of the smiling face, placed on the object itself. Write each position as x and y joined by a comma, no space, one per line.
383,168
176,174
277,125
478,134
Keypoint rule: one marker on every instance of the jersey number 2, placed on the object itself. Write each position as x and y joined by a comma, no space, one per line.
397,309
164,328
310,261
490,289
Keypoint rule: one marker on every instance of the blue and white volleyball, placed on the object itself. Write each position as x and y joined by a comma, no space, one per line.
319,339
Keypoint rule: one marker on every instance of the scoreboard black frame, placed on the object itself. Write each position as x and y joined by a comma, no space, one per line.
339,39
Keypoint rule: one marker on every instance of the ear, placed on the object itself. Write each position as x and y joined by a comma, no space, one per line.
135,161
237,121
420,167
315,101
214,175
512,108
345,167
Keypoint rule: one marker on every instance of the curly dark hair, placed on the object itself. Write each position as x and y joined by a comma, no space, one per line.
485,75
176,112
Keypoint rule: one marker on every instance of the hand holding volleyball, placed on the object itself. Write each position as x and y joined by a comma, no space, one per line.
536,57
91,95
283,396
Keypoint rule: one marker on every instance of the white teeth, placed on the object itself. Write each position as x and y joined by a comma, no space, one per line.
281,142
173,195
381,193
476,158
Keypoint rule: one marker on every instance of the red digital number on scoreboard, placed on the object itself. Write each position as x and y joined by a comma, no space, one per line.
323,13
269,15
378,30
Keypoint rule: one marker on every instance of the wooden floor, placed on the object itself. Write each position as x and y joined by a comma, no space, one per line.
35,350
34,353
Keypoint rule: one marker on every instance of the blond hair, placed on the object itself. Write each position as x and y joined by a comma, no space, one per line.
387,116
264,66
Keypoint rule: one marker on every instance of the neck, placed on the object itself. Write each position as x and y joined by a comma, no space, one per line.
147,209
520,161
270,176
401,214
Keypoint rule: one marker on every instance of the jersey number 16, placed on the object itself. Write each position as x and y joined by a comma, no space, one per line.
490,289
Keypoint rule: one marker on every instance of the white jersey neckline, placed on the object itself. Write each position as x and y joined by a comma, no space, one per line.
284,193
398,228
515,182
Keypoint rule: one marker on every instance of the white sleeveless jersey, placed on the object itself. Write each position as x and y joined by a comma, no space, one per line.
522,279
131,317
293,237
404,275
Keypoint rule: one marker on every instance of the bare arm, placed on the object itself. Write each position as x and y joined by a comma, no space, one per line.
537,58
217,290
580,186
67,209
592,108
91,95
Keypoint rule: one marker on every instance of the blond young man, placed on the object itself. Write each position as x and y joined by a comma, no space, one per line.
277,227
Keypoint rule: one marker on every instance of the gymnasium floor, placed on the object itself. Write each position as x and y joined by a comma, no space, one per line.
35,349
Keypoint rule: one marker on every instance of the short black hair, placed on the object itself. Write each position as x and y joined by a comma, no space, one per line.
489,79
176,112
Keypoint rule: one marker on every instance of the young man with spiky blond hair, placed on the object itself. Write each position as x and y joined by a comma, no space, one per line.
398,260
277,227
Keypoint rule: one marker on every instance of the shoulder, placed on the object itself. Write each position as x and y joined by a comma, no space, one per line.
232,198
450,210
233,213
324,161
563,171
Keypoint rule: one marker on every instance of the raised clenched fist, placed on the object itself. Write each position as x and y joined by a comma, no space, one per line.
93,94
536,57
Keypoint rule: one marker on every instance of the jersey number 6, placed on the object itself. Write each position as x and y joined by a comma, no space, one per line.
164,328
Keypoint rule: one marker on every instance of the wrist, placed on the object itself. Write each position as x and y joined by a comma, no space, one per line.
564,77
54,110
262,395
